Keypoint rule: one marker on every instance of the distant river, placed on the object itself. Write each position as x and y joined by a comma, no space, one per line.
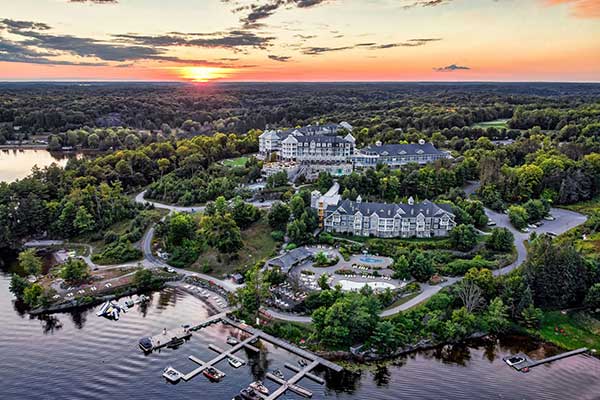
81,356
17,164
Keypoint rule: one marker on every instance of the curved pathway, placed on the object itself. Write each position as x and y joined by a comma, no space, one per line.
139,198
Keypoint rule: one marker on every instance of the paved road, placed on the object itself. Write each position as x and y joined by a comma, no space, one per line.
565,220
140,199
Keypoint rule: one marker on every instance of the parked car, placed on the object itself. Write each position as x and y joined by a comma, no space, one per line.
525,230
491,223
549,218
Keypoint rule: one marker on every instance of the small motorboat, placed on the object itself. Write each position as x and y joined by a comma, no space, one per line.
302,362
278,374
175,342
235,363
232,341
172,375
259,387
249,394
514,360
103,309
129,303
146,345
213,374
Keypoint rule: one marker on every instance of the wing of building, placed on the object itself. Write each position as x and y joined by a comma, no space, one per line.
384,220
396,155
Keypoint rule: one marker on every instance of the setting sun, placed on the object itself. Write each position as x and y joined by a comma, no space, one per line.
203,74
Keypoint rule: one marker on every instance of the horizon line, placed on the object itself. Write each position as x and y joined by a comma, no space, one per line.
280,82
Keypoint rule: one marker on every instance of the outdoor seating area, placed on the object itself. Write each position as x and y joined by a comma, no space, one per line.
285,298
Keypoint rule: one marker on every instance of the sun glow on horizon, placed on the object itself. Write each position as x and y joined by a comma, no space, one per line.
204,74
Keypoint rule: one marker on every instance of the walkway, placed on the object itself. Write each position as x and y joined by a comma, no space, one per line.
194,209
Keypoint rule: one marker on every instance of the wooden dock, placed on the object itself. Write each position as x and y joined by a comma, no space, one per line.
217,359
310,376
290,384
528,363
168,336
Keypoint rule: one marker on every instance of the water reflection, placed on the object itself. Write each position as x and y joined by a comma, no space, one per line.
17,164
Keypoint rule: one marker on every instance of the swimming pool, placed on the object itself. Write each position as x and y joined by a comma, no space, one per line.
371,259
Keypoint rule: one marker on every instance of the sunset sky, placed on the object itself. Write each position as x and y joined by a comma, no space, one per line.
300,40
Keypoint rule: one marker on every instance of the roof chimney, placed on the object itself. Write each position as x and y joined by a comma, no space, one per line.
359,199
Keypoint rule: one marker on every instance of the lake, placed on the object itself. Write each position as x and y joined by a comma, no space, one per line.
81,356
17,164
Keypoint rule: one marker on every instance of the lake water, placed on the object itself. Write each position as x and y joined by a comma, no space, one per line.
81,356
17,164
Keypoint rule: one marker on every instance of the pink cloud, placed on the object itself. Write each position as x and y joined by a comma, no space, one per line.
579,8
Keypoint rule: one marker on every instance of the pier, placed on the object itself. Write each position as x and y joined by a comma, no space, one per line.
169,336
253,335
223,355
528,363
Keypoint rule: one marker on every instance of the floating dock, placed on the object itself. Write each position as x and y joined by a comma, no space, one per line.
253,336
217,359
168,336
528,363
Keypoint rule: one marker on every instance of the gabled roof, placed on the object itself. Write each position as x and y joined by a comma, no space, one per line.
385,210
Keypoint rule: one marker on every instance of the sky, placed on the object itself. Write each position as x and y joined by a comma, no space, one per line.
300,40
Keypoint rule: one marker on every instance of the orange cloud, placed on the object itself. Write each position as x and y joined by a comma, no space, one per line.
580,8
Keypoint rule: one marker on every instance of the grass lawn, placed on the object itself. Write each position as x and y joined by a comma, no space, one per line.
235,162
580,329
403,300
497,123
258,245
585,207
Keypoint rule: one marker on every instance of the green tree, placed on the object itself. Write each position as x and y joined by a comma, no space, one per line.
592,298
323,282
84,221
496,317
222,233
421,267
386,338
74,270
518,216
531,316
254,293
279,215
297,231
18,285
30,263
463,237
556,273
401,268
32,294
501,239
297,206
143,279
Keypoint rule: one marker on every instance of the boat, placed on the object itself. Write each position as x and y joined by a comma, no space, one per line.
103,309
213,374
129,303
514,360
249,394
172,375
175,342
232,341
302,362
278,374
145,344
235,363
259,387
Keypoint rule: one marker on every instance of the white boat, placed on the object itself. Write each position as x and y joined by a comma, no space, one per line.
235,363
232,341
103,309
259,387
172,375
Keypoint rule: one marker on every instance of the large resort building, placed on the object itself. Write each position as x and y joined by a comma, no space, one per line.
383,220
321,145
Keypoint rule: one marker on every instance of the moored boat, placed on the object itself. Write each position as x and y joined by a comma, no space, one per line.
213,374
232,341
249,394
175,342
278,374
146,344
103,309
259,387
172,375
234,362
